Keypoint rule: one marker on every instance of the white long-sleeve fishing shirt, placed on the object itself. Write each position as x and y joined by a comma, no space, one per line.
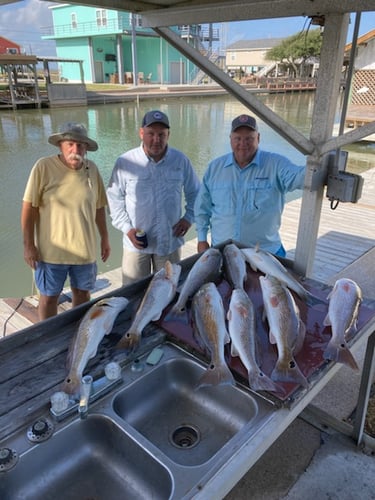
148,195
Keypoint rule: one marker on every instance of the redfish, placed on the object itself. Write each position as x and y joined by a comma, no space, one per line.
160,292
204,270
209,324
286,329
96,323
268,264
343,309
242,331
234,265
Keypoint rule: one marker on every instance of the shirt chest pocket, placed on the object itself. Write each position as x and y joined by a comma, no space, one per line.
259,195
223,198
139,185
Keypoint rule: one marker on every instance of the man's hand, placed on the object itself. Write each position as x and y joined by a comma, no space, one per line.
202,246
181,228
131,235
31,256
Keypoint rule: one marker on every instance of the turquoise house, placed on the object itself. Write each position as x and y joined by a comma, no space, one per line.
115,48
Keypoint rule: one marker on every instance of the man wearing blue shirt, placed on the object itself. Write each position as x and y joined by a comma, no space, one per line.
242,195
145,193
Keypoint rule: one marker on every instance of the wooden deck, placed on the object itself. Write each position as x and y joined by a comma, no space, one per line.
346,238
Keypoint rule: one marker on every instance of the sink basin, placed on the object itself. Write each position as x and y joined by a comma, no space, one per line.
87,459
188,425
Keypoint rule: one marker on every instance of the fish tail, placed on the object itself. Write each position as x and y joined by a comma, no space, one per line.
216,375
177,313
288,371
258,381
341,354
129,341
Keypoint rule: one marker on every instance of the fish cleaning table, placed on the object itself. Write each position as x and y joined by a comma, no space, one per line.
33,360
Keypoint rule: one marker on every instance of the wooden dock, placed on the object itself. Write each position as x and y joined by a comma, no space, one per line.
346,241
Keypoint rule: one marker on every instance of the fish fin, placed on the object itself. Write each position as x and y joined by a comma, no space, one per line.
176,314
169,269
288,371
258,381
216,375
300,337
271,337
341,354
351,330
327,321
226,338
129,340
233,351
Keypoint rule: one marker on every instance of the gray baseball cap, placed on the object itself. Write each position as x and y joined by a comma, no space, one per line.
155,116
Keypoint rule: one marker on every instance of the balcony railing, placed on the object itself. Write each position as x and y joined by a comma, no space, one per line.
110,26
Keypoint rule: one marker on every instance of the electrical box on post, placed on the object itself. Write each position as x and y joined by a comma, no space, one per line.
342,186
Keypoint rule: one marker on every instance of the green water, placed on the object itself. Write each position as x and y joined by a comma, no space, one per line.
199,127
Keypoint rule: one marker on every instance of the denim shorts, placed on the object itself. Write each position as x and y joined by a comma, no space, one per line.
50,278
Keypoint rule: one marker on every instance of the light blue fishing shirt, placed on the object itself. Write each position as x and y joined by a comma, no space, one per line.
246,204
148,195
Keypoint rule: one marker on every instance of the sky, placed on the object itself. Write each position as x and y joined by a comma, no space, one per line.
22,21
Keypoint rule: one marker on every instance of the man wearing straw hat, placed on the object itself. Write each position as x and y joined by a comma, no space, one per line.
63,206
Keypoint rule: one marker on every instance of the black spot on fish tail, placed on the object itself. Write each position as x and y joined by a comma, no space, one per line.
341,354
289,373
216,375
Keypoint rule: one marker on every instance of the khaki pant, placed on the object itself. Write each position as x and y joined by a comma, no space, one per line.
137,265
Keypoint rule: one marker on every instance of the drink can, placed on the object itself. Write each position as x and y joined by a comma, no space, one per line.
141,236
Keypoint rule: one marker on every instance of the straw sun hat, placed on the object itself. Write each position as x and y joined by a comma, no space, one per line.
73,132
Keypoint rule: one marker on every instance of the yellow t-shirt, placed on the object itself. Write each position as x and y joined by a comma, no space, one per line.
67,200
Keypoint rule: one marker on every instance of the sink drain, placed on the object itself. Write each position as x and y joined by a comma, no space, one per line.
185,437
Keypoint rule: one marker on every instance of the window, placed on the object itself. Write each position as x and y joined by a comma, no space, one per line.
138,21
73,19
101,17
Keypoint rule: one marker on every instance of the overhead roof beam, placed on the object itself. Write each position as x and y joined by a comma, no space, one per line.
206,11
298,140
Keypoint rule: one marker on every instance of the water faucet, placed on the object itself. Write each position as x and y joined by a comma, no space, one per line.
86,386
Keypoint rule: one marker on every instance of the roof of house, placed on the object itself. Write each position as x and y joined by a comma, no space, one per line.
362,40
262,43
5,41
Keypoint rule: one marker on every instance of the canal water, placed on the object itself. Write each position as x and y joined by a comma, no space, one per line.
199,127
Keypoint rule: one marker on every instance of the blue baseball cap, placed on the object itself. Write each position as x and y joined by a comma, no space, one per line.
244,121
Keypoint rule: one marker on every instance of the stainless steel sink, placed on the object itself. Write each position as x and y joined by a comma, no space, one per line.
155,436
189,425
91,458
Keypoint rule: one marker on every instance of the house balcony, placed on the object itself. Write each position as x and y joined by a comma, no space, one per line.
93,28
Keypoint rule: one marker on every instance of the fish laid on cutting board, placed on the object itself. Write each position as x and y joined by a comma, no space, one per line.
96,323
204,270
160,292
209,325
286,329
343,308
268,264
242,330
234,266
